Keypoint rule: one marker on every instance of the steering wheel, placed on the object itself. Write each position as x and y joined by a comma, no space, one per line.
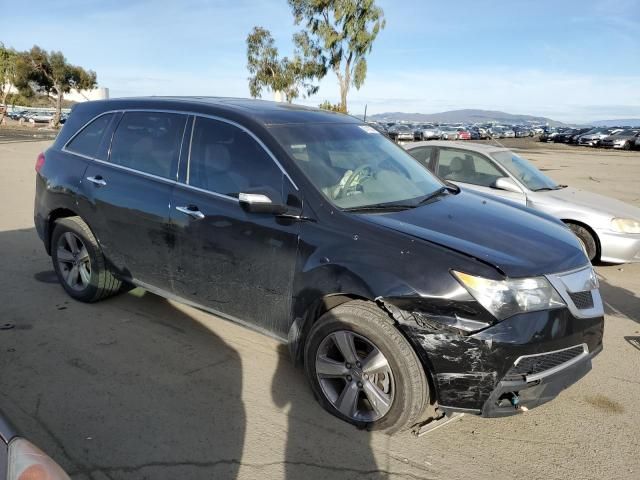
353,180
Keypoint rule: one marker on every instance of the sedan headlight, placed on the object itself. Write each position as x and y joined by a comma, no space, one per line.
504,298
28,462
625,225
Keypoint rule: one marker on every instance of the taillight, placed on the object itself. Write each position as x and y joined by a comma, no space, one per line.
40,162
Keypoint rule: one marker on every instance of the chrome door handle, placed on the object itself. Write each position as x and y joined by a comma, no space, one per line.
97,180
192,211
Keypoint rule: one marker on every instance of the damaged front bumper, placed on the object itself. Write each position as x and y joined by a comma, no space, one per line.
508,367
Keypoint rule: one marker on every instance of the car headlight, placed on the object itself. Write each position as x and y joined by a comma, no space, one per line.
504,298
625,225
28,462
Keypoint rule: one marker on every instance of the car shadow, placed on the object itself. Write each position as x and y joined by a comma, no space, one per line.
620,301
132,387
308,454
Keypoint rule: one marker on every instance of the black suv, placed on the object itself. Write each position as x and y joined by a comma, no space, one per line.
405,298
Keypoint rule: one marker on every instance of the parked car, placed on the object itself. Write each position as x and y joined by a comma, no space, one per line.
21,460
593,137
40,117
449,133
427,132
474,134
608,229
463,134
564,135
508,133
625,139
312,227
400,132
496,132
521,132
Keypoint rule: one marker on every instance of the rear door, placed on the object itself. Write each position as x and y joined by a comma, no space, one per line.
473,171
231,261
129,191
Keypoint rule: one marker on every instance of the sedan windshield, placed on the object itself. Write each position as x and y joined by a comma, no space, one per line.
355,166
524,171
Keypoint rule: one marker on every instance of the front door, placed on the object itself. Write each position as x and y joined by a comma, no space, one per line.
473,171
231,261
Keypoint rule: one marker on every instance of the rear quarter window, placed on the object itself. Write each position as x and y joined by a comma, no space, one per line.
87,141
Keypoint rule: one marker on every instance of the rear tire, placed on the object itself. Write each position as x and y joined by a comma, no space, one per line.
587,240
79,262
627,146
400,383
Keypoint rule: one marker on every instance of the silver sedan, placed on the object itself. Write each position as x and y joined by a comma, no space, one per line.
609,229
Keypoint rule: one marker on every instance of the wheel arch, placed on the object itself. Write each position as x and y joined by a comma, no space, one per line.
302,325
54,215
589,229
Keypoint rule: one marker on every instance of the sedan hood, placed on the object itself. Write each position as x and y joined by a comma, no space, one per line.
593,201
517,241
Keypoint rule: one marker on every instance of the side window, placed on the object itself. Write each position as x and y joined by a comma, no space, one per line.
148,142
422,154
87,142
225,159
467,167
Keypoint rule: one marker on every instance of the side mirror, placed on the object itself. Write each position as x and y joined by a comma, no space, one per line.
505,183
262,200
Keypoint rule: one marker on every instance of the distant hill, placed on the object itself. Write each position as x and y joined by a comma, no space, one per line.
630,122
463,116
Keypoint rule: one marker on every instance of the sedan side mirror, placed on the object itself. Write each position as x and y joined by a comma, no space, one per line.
505,183
262,200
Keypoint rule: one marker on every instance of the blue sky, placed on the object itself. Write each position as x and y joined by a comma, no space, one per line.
569,60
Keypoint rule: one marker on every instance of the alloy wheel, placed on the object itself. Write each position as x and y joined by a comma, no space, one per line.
74,262
355,376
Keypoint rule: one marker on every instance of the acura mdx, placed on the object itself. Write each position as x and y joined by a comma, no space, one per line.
405,298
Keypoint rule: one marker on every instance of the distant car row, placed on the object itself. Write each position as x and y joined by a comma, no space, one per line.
35,116
615,137
402,132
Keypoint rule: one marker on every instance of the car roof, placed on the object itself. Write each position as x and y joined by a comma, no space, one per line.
471,146
266,112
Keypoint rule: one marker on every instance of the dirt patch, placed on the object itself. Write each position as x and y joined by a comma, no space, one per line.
602,402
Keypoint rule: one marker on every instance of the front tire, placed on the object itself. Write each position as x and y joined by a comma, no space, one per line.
586,239
79,262
362,370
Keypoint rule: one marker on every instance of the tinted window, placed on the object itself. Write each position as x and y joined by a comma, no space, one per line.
88,140
227,160
148,142
467,167
422,154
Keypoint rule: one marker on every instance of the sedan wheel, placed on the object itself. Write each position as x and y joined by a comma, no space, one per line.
355,376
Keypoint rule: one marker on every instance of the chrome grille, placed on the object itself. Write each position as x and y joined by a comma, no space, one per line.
582,300
536,364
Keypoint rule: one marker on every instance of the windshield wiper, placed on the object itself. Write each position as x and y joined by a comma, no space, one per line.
380,207
404,206
437,193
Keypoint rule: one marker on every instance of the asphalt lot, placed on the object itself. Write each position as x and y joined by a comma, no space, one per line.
138,387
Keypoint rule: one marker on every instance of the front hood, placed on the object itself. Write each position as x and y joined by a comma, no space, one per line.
593,201
517,241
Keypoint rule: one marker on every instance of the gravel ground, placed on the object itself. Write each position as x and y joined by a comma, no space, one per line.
139,387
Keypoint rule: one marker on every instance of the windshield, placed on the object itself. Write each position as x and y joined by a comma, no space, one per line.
626,133
354,165
524,171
